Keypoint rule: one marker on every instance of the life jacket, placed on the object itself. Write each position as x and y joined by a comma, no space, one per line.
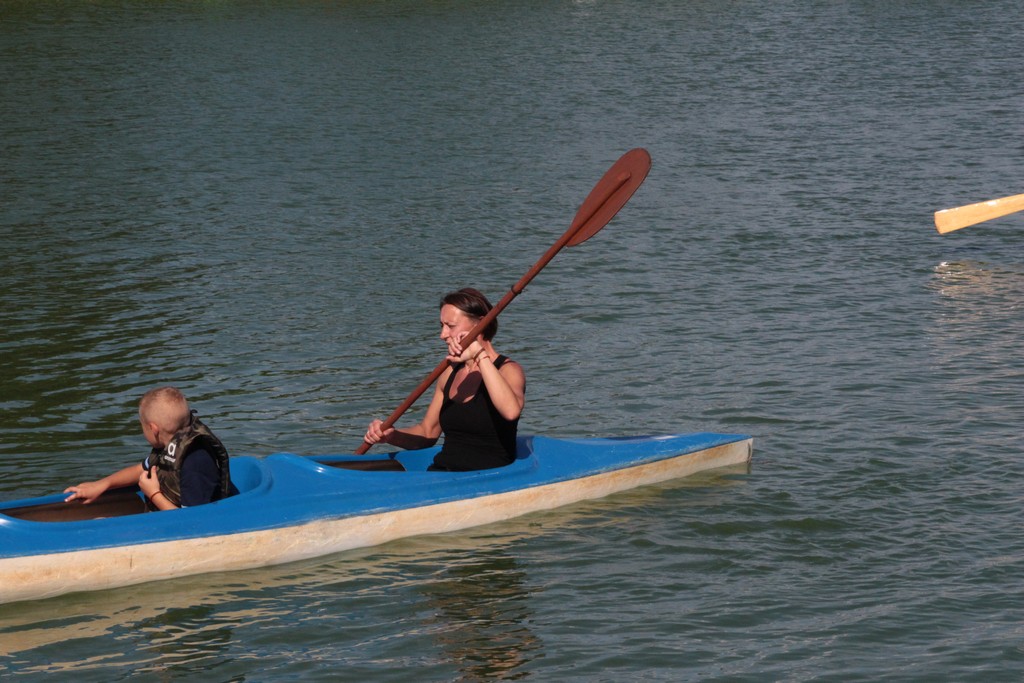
169,460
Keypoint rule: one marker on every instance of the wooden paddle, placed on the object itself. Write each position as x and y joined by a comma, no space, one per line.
949,220
610,194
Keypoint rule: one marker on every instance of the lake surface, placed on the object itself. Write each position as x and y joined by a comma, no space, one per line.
262,202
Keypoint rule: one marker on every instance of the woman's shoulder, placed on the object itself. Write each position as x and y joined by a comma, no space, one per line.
444,377
504,361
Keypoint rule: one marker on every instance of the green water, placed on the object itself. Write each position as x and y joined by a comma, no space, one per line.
262,202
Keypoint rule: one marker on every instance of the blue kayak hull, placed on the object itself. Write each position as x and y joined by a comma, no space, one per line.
293,507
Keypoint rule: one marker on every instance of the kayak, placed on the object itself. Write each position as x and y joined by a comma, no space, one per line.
293,507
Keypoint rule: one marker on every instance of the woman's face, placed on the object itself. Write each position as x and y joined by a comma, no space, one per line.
454,323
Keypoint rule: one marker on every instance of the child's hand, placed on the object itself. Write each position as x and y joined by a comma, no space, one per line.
148,483
86,492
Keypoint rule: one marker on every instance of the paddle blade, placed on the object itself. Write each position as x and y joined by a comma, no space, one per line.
610,194
949,220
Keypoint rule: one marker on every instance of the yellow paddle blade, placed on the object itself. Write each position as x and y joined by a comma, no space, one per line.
949,220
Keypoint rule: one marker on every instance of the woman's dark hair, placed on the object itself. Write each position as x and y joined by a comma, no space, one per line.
475,305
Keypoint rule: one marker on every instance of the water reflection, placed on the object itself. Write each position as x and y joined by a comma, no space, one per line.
195,614
959,280
194,624
482,615
187,639
979,302
975,342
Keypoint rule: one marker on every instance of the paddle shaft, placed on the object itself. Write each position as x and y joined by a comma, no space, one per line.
600,197
949,220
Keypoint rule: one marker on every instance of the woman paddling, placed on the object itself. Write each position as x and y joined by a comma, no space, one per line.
477,400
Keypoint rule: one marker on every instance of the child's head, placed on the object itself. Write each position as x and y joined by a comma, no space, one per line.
162,412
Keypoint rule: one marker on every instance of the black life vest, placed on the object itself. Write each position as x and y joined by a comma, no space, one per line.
169,461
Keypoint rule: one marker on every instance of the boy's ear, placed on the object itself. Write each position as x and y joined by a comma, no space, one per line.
151,428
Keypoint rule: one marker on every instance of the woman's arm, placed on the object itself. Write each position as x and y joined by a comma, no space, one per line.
505,385
422,435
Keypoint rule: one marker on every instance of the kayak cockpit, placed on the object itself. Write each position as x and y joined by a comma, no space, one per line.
247,474
390,464
115,503
416,460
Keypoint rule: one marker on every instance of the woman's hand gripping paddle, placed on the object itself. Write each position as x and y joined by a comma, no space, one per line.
610,194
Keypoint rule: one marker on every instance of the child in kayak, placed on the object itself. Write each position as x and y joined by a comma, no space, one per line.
187,466
477,400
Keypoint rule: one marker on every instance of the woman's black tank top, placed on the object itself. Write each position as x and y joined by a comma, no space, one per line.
476,436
